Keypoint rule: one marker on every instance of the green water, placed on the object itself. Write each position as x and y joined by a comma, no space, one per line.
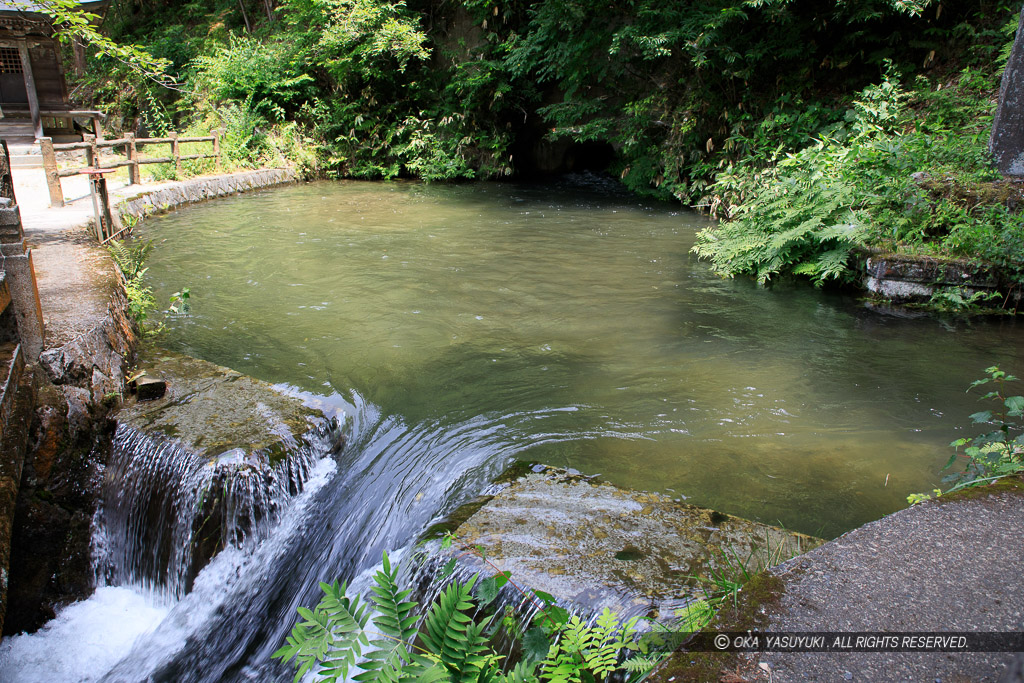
584,307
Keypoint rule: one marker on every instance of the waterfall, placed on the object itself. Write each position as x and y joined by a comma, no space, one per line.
393,479
166,511
389,483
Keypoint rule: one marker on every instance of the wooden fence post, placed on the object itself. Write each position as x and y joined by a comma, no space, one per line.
91,158
50,168
175,152
133,156
216,148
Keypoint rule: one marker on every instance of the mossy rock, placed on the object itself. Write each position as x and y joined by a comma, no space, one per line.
596,545
212,410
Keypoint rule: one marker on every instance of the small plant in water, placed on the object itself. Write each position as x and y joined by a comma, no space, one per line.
141,302
180,301
993,454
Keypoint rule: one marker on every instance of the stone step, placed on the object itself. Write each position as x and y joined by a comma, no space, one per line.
24,152
9,131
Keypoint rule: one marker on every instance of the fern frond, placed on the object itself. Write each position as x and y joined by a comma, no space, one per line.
395,622
460,643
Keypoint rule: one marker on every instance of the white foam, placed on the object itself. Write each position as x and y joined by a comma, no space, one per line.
84,640
87,639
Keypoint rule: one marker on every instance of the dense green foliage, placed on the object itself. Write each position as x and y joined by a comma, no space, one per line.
870,181
452,90
815,128
904,170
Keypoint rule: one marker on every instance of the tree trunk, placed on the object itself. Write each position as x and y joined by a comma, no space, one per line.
245,17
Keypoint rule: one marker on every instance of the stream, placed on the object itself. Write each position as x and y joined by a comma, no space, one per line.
456,328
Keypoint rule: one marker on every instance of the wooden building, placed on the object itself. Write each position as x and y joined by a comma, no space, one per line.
33,93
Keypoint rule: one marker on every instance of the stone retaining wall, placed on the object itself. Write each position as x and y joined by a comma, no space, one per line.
199,189
916,279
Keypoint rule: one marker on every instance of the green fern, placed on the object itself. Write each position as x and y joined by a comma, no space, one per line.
334,640
591,649
130,259
455,638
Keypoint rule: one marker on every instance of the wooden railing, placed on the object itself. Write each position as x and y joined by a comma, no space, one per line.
93,147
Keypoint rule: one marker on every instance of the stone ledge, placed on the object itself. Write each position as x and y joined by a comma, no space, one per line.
594,545
915,279
148,202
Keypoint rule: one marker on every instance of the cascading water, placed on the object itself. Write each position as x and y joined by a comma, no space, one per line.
391,481
166,511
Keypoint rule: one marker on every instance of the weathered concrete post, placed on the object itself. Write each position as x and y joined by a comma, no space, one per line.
17,264
216,147
104,221
90,151
175,152
50,169
132,153
30,88
1007,141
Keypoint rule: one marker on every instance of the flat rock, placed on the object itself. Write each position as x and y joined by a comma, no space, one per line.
209,464
597,545
211,409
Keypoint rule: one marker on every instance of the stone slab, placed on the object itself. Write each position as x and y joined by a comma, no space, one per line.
1007,141
213,410
596,545
903,278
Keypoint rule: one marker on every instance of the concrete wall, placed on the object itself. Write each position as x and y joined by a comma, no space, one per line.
200,189
916,279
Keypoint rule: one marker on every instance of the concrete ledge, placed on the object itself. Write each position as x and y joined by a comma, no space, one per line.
916,279
148,202
939,566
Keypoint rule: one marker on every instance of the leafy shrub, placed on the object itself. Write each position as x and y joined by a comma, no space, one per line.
130,261
902,171
268,76
806,214
993,454
997,453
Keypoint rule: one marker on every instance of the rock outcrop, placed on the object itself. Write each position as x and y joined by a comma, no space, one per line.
209,464
594,545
